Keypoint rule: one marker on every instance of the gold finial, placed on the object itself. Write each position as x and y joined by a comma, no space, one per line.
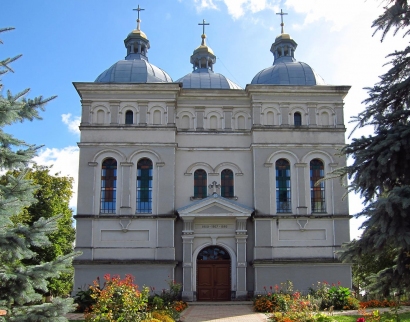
281,18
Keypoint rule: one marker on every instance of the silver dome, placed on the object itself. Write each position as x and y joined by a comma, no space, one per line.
204,78
133,71
288,73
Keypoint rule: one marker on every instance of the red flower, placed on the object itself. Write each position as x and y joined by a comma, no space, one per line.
361,320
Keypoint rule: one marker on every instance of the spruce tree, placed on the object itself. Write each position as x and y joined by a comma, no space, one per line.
380,172
22,286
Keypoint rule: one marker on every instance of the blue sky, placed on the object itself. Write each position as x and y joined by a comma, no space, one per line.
74,41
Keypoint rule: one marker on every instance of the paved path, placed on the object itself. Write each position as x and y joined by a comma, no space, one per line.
211,311
219,312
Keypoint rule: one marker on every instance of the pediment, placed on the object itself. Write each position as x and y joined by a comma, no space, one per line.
215,205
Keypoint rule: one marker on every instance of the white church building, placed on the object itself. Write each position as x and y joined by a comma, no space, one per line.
209,184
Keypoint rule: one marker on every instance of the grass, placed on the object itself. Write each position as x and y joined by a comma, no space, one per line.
404,317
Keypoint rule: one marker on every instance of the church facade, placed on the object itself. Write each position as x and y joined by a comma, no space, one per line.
208,184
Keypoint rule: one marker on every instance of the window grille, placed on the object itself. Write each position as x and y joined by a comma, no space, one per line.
108,186
317,193
144,186
283,193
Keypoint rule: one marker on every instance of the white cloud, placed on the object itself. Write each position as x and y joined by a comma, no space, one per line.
237,8
338,13
73,122
205,4
64,161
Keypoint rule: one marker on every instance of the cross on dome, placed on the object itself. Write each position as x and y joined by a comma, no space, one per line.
138,19
281,13
203,24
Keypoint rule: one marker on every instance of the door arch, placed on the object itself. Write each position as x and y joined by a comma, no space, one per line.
213,274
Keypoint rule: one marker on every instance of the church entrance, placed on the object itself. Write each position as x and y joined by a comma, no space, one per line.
213,274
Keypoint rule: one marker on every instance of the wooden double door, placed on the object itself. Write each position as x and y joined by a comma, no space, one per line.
213,280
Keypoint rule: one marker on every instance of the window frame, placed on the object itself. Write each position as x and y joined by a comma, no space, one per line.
317,193
200,191
108,187
283,191
144,189
227,184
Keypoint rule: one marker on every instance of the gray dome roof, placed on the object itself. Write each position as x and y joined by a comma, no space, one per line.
133,71
204,78
288,73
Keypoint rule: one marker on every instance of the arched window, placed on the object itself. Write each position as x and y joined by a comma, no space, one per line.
297,119
227,183
200,184
144,186
283,195
108,186
317,193
129,117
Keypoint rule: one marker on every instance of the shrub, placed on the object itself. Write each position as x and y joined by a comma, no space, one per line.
84,300
119,300
162,316
333,295
179,306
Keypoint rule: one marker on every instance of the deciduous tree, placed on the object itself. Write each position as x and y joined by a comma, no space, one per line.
53,196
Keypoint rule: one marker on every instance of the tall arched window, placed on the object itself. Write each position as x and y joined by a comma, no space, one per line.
129,117
317,193
227,183
283,195
108,186
144,186
200,184
297,119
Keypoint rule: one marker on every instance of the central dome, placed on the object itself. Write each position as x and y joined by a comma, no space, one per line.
203,75
204,78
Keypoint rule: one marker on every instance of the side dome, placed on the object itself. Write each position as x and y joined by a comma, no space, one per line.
133,71
286,70
203,75
135,68
288,73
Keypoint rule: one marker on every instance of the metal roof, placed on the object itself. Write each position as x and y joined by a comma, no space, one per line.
288,73
204,78
133,71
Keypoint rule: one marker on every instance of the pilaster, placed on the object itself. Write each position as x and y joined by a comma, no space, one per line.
301,194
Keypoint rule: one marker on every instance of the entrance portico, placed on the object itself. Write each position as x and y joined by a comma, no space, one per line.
214,221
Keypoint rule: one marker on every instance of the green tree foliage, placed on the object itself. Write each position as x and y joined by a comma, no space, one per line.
380,172
22,286
52,199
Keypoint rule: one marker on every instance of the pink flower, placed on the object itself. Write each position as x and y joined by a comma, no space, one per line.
360,320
